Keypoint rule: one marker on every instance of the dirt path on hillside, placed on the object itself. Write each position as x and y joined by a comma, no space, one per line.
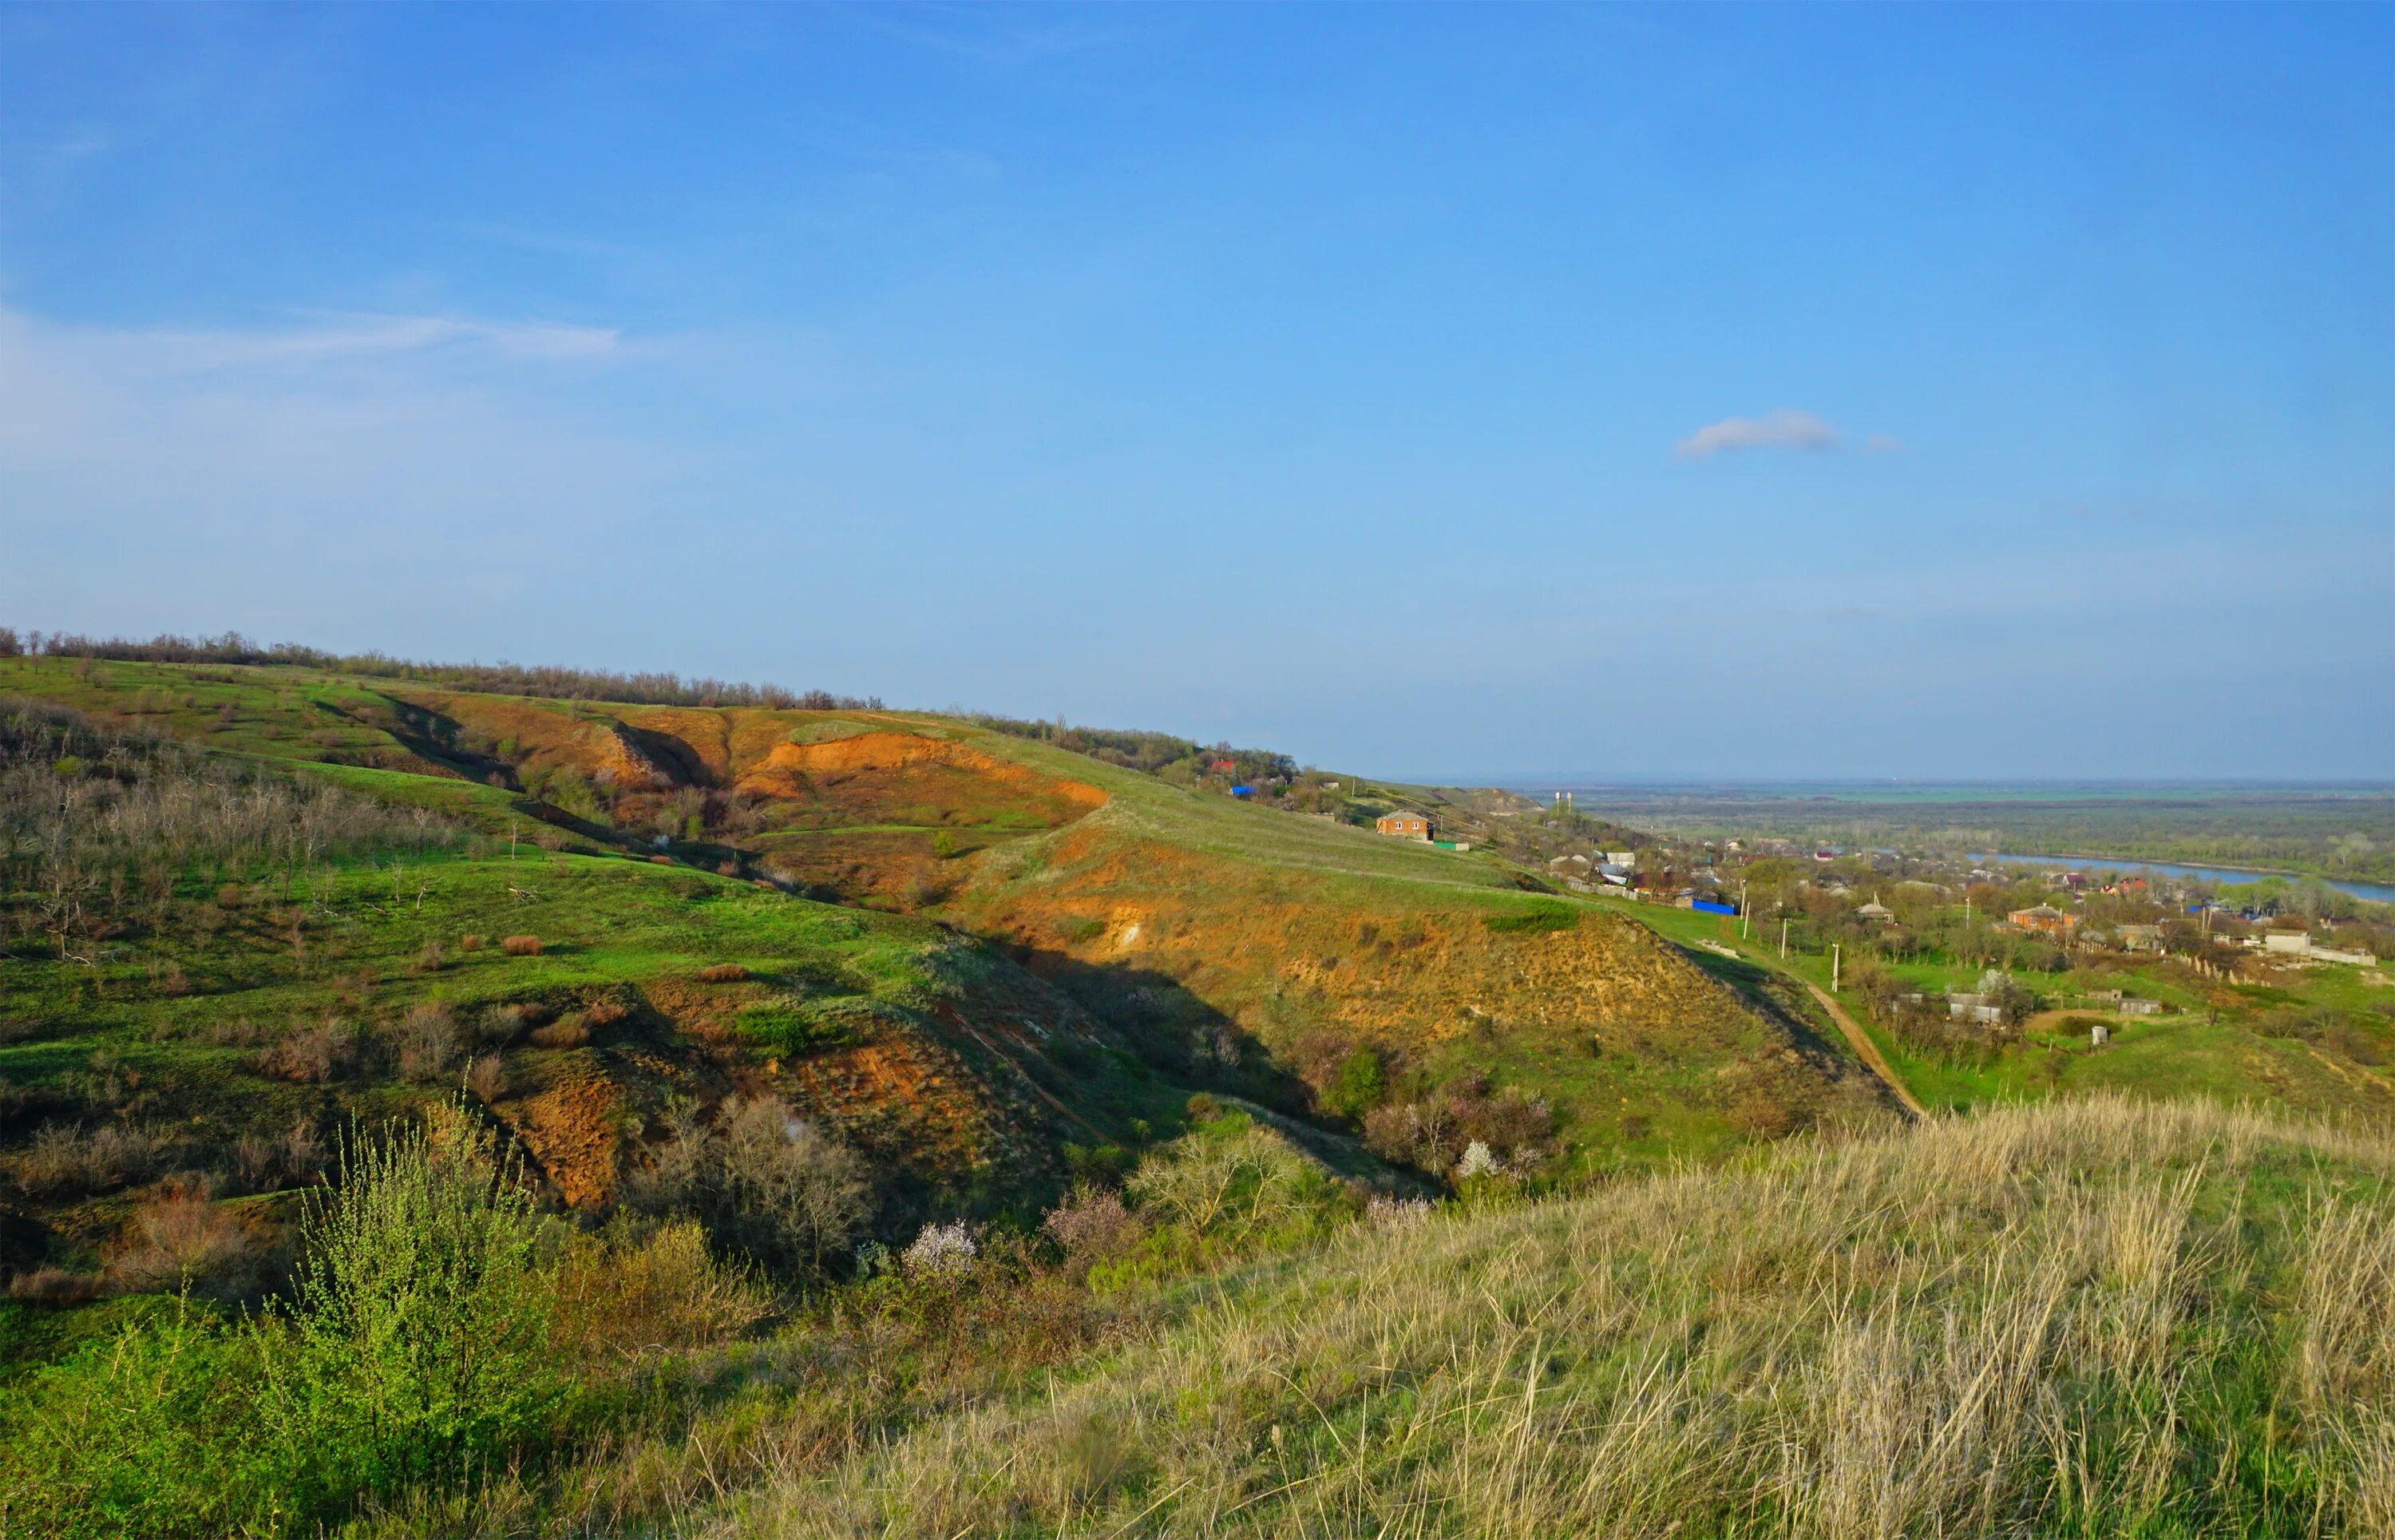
1866,1047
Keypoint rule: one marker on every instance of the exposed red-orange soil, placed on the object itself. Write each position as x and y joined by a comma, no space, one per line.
1153,935
930,1096
574,1129
902,777
1281,952
890,774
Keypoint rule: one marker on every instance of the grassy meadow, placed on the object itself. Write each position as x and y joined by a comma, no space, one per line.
2091,1317
2100,1317
466,1114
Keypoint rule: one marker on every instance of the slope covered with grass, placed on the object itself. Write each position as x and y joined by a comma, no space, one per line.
212,968
1315,967
2094,1318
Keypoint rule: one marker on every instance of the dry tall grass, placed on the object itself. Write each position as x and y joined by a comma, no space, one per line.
2090,1318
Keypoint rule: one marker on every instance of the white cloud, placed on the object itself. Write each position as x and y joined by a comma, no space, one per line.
1784,429
154,352
316,441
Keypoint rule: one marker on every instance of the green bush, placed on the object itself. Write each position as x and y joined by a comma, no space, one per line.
143,1435
1228,1187
1359,1085
788,1030
1540,917
417,1346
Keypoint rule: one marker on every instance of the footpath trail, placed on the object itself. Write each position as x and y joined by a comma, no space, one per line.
1861,1040
1865,1046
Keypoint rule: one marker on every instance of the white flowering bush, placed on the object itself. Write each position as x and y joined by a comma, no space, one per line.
1478,1161
1092,1223
940,1249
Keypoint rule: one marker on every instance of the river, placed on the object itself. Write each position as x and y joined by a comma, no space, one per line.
2378,893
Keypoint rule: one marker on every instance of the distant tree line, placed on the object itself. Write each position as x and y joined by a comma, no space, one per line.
1163,754
554,684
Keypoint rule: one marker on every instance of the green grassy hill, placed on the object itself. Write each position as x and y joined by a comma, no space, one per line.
2100,1317
842,1121
1203,942
2095,1317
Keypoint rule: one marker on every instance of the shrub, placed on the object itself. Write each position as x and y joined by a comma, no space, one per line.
66,1160
505,1024
427,1040
1102,1165
667,1291
566,1032
1432,1135
1359,1085
1092,1225
430,958
470,943
54,1286
182,1238
419,1345
1386,1213
764,1180
486,1079
520,946
417,1342
293,1157
322,1051
136,1436
604,1012
1233,1183
723,973
940,1250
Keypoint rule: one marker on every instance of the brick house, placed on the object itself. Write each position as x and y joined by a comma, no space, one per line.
2046,920
1403,825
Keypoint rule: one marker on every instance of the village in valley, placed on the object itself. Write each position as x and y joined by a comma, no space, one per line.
1970,969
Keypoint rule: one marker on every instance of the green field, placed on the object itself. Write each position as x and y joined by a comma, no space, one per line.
2214,1040
2331,831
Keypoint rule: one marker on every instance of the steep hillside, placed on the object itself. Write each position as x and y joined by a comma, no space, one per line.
211,972
1264,952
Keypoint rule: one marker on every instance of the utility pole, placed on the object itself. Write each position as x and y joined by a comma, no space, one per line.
1783,938
1743,929
1834,967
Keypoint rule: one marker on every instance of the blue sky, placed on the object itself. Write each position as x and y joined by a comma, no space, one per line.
1490,391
